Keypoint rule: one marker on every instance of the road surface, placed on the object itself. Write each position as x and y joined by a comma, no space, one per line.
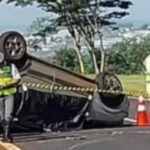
132,138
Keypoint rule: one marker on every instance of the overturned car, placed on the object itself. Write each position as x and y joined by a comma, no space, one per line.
39,108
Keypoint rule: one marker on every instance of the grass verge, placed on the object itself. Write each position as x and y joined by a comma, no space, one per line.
130,82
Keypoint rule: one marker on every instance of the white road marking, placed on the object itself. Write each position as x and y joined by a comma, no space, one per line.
50,140
130,120
117,133
143,132
88,143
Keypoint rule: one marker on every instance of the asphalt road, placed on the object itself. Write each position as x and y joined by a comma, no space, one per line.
123,138
130,141
132,138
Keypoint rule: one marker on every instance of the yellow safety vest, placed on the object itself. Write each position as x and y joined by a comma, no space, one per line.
6,77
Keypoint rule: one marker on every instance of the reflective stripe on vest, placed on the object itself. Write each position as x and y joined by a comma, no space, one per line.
6,77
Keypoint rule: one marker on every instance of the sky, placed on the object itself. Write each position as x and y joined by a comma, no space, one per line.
18,18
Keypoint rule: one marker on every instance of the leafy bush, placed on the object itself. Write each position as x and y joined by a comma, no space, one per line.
127,57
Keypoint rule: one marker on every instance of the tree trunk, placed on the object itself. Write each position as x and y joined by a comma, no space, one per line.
76,39
102,52
102,66
93,57
81,65
96,69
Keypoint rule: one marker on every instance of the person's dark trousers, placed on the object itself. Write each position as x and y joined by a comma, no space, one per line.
6,110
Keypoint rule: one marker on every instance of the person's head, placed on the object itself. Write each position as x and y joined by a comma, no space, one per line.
2,58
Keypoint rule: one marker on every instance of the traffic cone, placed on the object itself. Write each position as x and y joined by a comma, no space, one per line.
142,117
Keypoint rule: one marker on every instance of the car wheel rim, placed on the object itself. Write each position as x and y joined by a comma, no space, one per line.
111,83
14,46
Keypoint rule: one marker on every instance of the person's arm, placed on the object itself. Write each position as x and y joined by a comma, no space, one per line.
12,83
15,78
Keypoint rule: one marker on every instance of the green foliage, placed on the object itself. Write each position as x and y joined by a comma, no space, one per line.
43,26
127,57
67,58
88,65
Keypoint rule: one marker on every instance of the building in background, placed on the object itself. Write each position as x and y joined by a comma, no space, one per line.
63,39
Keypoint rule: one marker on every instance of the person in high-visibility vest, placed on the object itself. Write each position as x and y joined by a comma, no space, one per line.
147,73
9,79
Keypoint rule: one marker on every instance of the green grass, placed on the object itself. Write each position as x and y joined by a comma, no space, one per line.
131,83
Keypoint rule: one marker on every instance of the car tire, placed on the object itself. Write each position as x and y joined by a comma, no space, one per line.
16,40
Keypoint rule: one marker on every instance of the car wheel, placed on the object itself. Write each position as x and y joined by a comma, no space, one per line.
13,45
109,81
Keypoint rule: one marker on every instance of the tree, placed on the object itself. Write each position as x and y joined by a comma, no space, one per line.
34,45
127,57
83,19
88,20
45,26
67,58
42,27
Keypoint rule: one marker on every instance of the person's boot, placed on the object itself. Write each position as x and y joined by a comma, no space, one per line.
5,131
6,134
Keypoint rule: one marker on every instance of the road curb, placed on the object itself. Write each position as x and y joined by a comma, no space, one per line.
8,146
